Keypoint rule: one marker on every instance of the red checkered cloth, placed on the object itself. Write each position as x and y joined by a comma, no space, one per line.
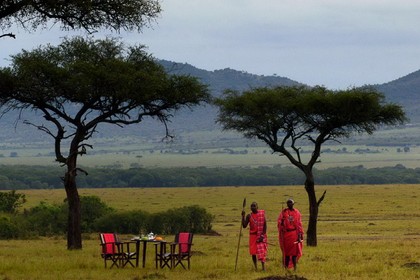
261,246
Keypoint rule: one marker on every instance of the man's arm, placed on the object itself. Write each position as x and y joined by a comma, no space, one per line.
299,227
261,237
265,226
245,221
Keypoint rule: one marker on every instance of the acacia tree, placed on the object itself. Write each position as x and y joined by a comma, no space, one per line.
83,83
78,14
287,118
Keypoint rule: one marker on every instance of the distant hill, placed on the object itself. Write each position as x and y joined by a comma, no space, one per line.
404,91
220,80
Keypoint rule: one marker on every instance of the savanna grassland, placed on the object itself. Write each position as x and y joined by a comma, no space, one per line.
364,232
130,155
220,149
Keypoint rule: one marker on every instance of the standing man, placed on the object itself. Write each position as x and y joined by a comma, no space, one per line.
257,234
289,225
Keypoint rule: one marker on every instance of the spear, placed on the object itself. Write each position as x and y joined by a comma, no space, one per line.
240,233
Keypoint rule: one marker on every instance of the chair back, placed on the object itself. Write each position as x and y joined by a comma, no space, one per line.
185,240
108,243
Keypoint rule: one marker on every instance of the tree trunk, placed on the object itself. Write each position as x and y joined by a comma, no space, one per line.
313,210
74,231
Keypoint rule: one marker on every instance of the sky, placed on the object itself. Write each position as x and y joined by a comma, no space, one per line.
334,43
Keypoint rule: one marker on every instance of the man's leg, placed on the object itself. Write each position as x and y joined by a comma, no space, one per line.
254,260
286,261
294,262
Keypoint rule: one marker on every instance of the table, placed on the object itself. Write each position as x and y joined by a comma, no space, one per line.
144,241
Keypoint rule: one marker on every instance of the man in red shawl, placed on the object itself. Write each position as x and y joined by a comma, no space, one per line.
257,234
290,229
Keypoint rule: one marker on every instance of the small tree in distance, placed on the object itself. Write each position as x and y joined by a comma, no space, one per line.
287,118
83,83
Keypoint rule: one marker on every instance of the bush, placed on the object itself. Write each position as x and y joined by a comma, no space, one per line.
46,219
199,220
92,208
11,201
8,229
123,222
189,218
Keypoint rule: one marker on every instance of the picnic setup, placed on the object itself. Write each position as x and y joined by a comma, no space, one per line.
120,253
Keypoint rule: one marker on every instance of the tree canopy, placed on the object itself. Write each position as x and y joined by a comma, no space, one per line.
78,14
83,83
287,118
95,81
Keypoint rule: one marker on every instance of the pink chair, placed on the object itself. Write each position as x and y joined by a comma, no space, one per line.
111,249
117,252
181,249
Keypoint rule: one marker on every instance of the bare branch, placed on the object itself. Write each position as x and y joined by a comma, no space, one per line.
80,170
39,127
8,35
321,198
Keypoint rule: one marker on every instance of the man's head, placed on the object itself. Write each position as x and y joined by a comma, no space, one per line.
254,207
290,203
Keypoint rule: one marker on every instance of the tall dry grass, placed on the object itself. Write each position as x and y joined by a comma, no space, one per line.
364,232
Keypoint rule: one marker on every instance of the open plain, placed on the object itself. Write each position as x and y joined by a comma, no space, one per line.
364,232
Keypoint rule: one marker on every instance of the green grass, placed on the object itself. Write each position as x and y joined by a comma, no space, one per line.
147,151
131,155
364,232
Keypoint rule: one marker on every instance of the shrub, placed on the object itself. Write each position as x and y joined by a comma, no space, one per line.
11,201
46,219
8,229
92,208
199,219
189,218
123,222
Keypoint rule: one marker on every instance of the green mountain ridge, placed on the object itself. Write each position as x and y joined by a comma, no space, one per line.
404,91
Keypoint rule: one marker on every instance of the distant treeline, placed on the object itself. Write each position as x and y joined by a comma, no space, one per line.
39,177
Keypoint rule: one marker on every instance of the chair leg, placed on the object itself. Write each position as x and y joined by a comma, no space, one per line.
173,261
127,260
165,260
116,262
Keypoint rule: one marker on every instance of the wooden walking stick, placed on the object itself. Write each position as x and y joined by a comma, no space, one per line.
281,241
240,233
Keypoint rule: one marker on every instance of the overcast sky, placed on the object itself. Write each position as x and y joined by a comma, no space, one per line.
335,43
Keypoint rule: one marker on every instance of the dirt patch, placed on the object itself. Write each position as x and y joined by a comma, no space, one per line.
152,276
285,277
413,265
212,233
198,253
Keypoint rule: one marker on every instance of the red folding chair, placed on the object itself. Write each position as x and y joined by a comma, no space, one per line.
111,249
117,252
181,249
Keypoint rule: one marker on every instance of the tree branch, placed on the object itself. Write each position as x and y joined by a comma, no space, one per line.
8,35
321,198
79,169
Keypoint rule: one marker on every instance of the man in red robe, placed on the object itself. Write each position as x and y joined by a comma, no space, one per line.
257,234
289,225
